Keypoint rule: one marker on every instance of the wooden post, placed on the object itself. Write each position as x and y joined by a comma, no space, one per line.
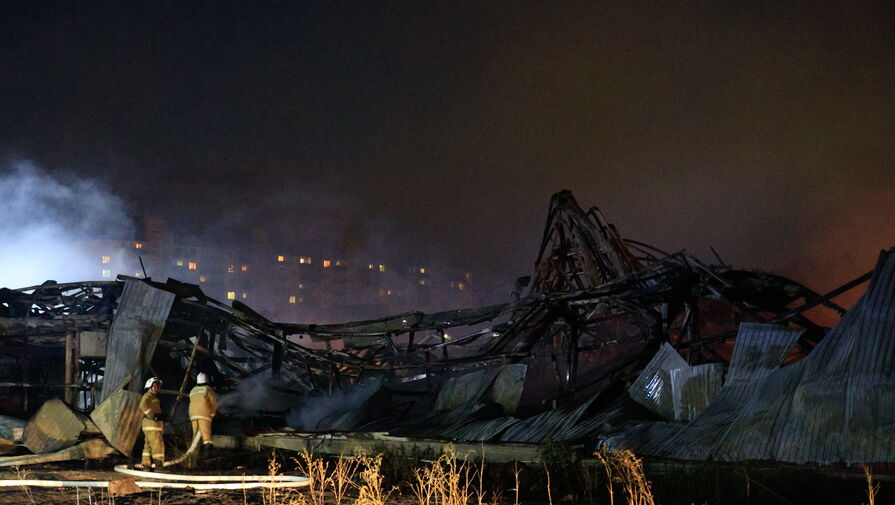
186,377
72,353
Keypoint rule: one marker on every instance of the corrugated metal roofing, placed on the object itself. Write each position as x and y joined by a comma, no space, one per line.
138,324
118,418
652,388
693,388
758,350
836,405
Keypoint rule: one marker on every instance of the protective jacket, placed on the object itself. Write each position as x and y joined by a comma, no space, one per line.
154,445
203,403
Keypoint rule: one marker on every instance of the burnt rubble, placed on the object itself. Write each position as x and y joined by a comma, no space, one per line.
609,340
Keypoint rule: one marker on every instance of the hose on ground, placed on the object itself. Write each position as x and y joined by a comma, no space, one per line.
189,451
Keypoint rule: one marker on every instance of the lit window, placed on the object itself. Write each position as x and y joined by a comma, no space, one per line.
138,245
338,263
245,295
138,274
231,295
389,292
468,276
202,278
107,273
461,286
291,299
244,268
326,263
301,286
370,267
422,270
231,269
179,263
192,265
304,261
422,282
106,259
382,268
281,258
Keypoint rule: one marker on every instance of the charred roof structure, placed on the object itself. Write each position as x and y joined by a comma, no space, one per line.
608,341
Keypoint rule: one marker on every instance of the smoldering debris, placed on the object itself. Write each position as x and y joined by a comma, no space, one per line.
585,325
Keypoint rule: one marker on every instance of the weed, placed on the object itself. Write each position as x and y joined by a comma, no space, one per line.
625,469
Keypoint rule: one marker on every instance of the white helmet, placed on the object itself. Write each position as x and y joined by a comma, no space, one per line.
152,380
201,378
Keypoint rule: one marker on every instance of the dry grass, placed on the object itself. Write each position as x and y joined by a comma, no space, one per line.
872,488
625,469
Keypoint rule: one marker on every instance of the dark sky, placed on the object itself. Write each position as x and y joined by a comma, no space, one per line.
442,128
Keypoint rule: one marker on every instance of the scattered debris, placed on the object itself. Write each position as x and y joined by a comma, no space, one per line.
609,340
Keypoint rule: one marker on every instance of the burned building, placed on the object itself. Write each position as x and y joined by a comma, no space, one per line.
608,341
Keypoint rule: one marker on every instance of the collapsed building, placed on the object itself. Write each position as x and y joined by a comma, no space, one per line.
608,341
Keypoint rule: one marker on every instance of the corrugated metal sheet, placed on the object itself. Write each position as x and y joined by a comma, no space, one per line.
53,427
693,389
118,418
552,424
652,388
836,405
138,324
758,350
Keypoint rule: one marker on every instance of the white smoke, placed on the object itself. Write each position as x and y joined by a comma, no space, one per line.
319,409
48,223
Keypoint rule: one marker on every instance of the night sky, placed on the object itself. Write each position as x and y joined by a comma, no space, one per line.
441,129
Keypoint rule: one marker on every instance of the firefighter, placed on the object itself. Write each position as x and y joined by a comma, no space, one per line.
154,444
203,405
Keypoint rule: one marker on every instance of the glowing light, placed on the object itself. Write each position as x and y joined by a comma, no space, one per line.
326,263
192,265
231,295
231,269
138,245
292,299
202,278
107,259
245,295
179,263
107,273
281,258
244,268
382,268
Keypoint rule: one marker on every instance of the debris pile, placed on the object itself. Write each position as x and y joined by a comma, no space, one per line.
609,340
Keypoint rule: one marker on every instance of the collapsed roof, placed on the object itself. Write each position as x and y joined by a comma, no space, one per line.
609,340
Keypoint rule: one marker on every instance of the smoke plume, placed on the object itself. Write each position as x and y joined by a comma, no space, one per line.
48,222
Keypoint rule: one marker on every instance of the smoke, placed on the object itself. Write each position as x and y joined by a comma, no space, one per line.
318,409
48,222
256,393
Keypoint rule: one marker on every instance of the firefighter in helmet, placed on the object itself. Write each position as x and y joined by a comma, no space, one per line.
203,405
154,444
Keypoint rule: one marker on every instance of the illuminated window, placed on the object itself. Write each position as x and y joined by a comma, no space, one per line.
231,269
422,270
245,295
202,278
179,263
192,265
138,245
468,276
231,295
338,263
244,268
301,286
107,273
423,282
461,286
389,292
370,267
138,274
326,263
304,261
281,258
382,268
291,299
106,259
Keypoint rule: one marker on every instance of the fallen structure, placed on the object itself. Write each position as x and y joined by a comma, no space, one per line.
608,341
